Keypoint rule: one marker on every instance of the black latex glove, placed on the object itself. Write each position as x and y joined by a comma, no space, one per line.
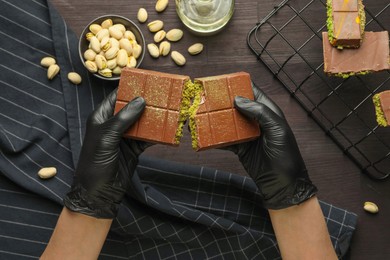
273,160
107,162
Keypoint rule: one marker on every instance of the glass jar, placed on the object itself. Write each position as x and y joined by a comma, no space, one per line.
205,17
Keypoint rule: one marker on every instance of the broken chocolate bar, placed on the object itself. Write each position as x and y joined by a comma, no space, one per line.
382,107
172,99
160,121
372,56
345,23
216,122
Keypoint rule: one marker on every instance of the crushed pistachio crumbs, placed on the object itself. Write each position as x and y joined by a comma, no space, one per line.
380,117
188,107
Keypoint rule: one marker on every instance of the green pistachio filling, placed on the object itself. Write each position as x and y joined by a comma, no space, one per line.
189,105
349,74
380,117
198,90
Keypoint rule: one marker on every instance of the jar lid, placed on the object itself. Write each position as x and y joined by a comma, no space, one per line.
205,17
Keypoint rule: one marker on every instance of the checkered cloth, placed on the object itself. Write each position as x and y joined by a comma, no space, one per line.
173,210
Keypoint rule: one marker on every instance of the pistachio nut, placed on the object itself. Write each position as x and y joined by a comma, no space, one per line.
195,49
111,53
47,61
122,58
114,42
159,36
119,27
105,44
142,15
126,45
47,172
165,48
102,34
115,32
101,62
161,5
155,26
132,62
91,66
129,35
52,71
89,54
137,50
117,70
95,44
371,207
111,64
74,77
89,35
105,72
107,23
95,28
178,58
174,35
153,50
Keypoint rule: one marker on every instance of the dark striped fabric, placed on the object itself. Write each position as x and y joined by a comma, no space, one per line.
173,211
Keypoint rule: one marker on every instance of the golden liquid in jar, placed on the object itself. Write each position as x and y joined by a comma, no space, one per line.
205,17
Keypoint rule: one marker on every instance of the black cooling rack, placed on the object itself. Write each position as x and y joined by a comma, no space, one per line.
288,40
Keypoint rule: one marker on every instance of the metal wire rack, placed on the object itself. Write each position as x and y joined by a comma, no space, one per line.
289,40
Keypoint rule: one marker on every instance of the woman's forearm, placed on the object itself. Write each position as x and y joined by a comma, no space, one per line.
77,236
301,232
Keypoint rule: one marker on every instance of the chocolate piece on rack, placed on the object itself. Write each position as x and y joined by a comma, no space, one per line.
160,121
372,56
345,22
382,107
216,122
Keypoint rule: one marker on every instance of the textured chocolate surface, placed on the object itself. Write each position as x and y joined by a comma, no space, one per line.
373,55
346,22
162,93
218,123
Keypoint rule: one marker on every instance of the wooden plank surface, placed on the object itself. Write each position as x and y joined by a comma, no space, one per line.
337,177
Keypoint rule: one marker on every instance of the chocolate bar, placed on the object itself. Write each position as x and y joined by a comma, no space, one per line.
173,99
371,56
161,121
216,122
345,22
382,107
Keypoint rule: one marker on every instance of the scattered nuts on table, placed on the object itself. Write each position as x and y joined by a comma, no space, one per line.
370,207
164,48
155,25
178,58
174,35
47,61
195,49
142,15
153,50
52,71
47,172
161,5
159,36
111,47
74,77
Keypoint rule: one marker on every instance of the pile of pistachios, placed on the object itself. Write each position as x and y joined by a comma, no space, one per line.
162,39
111,48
